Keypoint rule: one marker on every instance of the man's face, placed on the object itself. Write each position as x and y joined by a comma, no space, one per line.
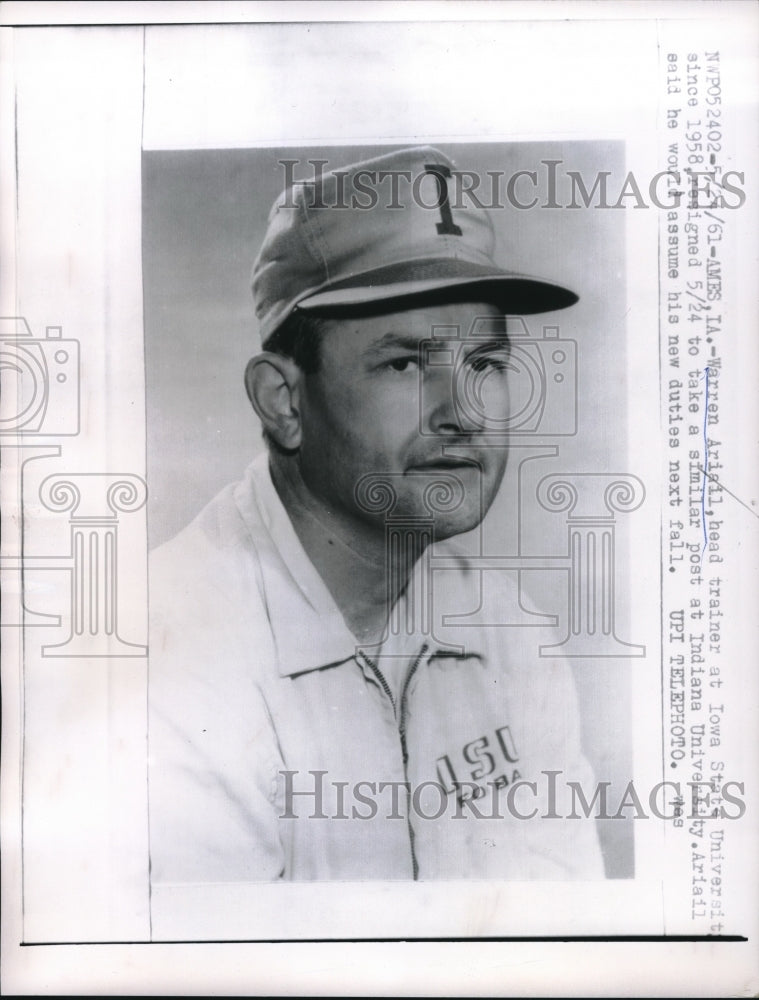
379,406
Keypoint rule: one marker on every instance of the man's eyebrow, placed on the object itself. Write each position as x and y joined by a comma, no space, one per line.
491,344
408,342
390,340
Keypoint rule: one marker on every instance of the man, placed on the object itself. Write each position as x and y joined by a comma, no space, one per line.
315,710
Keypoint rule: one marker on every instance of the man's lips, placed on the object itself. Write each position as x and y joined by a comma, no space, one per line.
444,464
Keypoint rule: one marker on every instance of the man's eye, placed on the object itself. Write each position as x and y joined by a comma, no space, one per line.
403,364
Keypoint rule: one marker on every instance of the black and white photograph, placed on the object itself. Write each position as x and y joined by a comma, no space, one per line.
381,498
329,574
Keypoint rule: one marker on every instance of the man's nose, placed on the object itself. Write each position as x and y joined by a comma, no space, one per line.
446,411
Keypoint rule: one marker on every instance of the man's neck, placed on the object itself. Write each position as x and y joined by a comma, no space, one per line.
351,556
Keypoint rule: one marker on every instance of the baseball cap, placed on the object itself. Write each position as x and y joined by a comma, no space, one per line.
385,229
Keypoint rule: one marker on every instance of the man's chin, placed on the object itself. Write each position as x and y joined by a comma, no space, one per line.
456,524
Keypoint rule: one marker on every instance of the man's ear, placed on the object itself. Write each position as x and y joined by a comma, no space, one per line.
273,386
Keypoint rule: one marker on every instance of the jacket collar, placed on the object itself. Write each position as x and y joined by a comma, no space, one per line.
308,628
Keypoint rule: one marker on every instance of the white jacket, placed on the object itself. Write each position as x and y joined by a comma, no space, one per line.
277,750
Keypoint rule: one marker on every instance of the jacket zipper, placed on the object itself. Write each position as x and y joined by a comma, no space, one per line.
404,747
381,678
401,728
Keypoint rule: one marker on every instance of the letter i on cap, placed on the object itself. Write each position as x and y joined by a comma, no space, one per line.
333,242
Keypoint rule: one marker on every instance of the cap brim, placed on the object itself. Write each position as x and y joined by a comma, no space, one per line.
515,294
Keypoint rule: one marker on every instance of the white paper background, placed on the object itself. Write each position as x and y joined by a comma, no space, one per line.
78,96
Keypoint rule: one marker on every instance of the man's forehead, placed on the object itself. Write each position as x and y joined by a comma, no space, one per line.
451,321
